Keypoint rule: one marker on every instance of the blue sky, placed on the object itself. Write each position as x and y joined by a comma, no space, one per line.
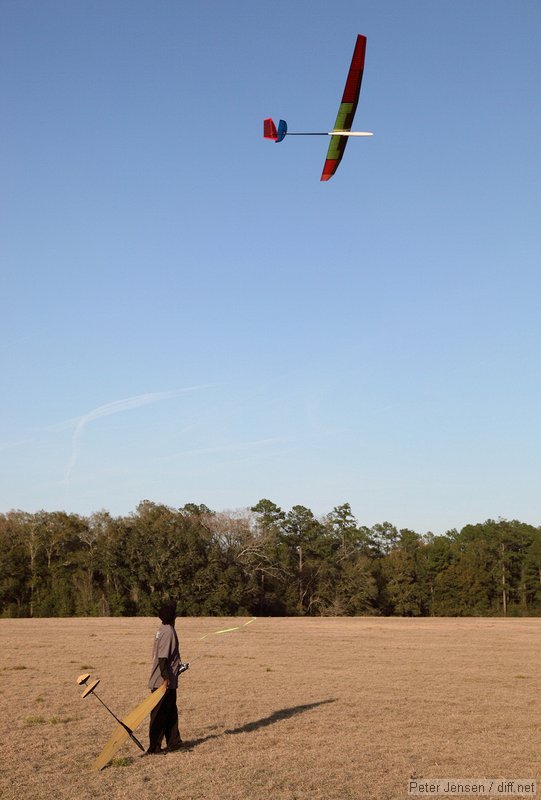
189,315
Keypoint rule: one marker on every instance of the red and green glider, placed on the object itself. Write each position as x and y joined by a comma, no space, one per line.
344,120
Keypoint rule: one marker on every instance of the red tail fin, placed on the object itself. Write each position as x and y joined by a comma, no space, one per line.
269,129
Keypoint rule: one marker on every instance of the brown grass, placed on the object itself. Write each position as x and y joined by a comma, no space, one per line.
326,709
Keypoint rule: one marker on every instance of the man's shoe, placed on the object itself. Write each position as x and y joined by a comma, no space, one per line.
176,747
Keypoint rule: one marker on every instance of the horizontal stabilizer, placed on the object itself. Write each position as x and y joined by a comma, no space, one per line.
282,130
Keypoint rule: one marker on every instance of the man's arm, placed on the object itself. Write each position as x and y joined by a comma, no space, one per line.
162,662
164,653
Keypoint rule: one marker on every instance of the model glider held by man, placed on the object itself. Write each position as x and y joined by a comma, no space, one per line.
344,120
126,726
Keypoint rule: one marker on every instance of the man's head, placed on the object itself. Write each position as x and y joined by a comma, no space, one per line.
168,613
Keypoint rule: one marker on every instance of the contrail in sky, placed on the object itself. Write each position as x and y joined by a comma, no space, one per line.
117,407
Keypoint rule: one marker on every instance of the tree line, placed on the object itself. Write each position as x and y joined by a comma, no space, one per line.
261,561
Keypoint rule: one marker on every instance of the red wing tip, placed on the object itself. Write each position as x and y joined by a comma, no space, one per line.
329,169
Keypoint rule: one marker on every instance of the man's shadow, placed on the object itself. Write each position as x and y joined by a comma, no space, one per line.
248,727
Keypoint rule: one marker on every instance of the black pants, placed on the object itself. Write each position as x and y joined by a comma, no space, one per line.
164,723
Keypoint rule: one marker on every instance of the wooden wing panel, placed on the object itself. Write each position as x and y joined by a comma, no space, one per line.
132,720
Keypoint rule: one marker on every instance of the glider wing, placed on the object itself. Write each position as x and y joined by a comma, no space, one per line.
132,721
346,112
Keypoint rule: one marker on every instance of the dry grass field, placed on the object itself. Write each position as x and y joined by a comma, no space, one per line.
286,708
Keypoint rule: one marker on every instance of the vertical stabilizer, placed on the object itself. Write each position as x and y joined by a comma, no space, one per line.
269,129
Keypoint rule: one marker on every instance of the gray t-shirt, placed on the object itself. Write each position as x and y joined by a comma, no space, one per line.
165,646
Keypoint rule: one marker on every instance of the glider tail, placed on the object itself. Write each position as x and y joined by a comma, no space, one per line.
270,131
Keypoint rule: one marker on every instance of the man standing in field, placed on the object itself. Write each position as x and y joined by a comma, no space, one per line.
165,668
